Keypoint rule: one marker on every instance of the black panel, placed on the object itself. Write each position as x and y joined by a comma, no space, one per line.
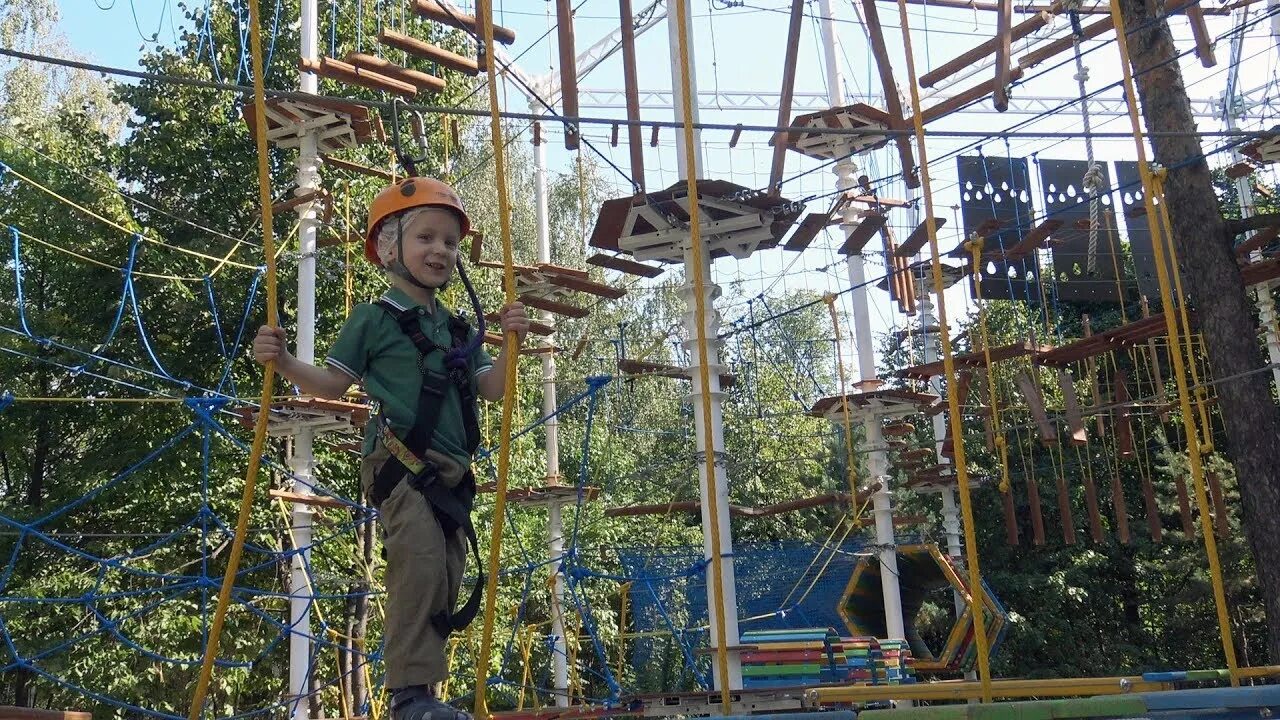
1144,260
999,187
1065,199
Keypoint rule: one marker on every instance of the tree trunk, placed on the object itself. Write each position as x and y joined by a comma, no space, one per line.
1212,279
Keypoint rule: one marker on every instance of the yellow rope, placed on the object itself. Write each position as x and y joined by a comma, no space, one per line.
1002,443
511,352
348,281
116,225
949,369
1152,186
700,313
269,372
99,263
851,469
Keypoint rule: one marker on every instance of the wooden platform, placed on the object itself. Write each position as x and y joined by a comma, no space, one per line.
1264,150
735,221
315,414
640,367
806,138
882,403
1126,335
976,359
337,124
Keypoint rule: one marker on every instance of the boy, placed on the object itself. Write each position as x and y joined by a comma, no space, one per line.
423,367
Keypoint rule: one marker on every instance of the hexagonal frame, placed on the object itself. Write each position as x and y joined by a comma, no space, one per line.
960,651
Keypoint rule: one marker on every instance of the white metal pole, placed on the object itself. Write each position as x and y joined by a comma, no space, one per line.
555,526
877,463
716,442
302,463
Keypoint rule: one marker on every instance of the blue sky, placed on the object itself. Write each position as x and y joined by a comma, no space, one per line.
740,49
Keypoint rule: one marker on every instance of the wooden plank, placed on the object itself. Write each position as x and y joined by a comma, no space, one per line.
552,306
564,271
307,499
955,102
1260,239
1071,407
1221,527
1010,517
874,200
424,82
1004,41
343,72
1199,31
1048,50
334,162
788,91
1184,506
865,230
621,264
568,70
806,231
433,10
893,101
304,198
982,50
640,367
1035,404
1032,241
918,237
631,83
427,51
587,286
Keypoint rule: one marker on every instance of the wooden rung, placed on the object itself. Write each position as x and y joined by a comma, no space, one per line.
535,327
432,53
343,72
334,162
1221,527
552,306
961,99
863,233
875,200
564,270
915,454
1123,423
1010,517
621,264
437,12
334,239
1035,404
918,237
424,82
1071,407
497,340
1135,210
1184,506
806,231
308,499
587,286
897,430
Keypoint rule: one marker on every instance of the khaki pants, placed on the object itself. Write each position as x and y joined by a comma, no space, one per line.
424,573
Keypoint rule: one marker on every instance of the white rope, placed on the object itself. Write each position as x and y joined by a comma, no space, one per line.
1093,181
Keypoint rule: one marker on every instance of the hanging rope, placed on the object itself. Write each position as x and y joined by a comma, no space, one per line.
975,244
509,350
949,369
269,372
1153,186
1093,181
851,469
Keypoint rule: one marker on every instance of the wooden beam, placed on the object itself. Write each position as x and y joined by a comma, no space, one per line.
631,83
334,162
425,82
1035,404
1048,50
429,52
621,264
955,102
893,102
1204,44
309,499
433,10
1071,407
1004,42
568,70
788,91
971,57
344,72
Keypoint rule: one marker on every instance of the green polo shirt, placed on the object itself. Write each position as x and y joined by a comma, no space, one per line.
372,349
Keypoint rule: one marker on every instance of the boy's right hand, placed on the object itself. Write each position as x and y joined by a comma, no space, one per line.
271,344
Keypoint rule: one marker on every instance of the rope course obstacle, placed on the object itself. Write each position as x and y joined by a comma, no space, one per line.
878,606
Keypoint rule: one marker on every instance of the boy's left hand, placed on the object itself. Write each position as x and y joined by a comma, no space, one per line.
513,319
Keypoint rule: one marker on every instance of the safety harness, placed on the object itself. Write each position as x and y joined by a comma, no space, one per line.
408,461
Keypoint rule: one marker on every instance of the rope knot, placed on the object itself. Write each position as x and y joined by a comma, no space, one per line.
1001,442
1093,180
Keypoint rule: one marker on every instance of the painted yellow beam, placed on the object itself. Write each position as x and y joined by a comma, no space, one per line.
966,690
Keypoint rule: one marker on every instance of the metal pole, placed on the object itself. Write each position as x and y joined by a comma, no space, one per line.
302,463
877,463
716,442
555,531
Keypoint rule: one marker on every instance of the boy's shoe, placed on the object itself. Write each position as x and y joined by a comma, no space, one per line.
419,703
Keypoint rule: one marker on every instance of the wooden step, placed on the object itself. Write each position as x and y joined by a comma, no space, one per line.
535,327
552,306
334,162
435,11
1239,170
424,82
806,231
1035,404
621,264
1032,241
916,454
1071,407
918,237
344,72
432,53
862,234
587,286
896,430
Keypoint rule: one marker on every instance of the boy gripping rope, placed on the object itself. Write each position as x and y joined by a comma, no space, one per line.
424,368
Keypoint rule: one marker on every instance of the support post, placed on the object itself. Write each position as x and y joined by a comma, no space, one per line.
711,448
555,533
302,462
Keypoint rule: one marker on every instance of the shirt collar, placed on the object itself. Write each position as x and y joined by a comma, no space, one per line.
400,300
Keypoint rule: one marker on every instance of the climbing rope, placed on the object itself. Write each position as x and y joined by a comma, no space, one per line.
269,371
1153,185
1093,181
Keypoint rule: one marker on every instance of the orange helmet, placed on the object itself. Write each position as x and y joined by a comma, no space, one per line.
411,192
